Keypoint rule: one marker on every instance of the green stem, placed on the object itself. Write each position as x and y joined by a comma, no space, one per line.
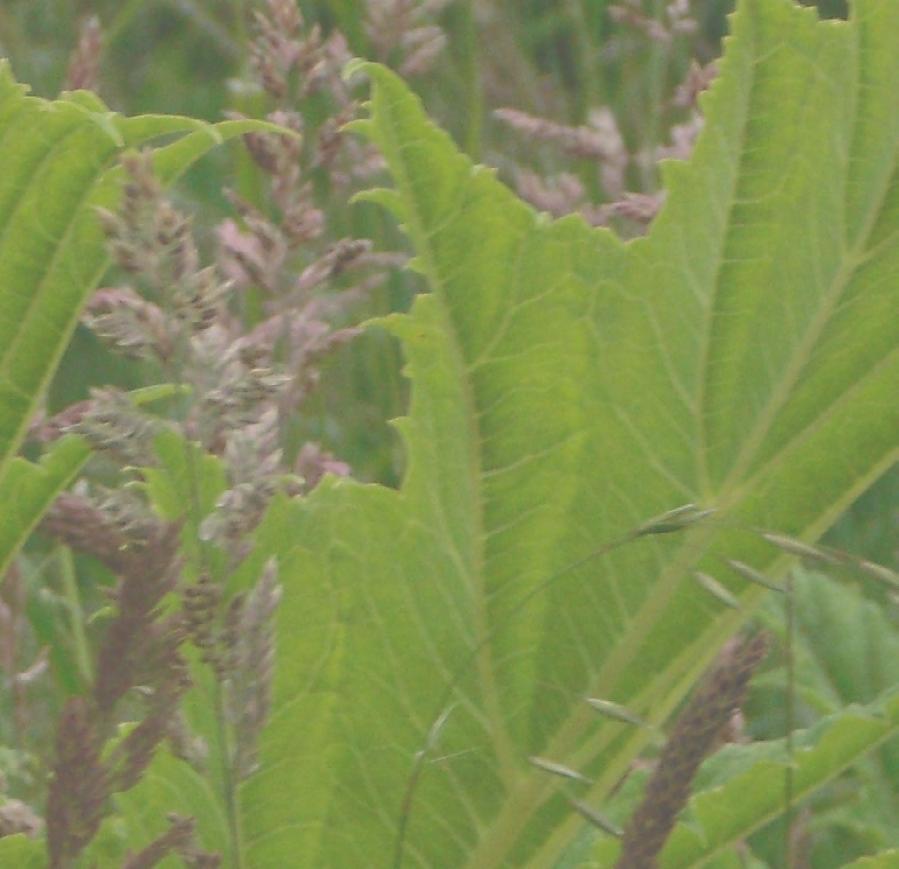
657,69
123,17
72,597
471,73
790,711
589,91
229,786
193,512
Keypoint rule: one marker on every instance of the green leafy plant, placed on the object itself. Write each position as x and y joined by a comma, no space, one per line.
468,667
566,387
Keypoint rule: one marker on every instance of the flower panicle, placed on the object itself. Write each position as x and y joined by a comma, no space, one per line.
111,423
695,735
402,32
79,786
135,638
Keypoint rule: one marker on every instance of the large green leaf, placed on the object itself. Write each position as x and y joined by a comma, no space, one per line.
566,387
20,851
60,160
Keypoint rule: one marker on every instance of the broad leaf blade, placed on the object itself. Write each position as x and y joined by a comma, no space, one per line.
19,850
567,387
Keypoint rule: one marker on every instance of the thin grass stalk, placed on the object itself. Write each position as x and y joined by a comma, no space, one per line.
72,596
692,739
790,714
672,521
469,51
657,69
174,372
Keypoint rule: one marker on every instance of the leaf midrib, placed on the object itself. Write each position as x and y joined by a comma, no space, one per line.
483,655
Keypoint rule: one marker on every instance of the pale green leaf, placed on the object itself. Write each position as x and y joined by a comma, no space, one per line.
846,650
21,852
185,487
567,387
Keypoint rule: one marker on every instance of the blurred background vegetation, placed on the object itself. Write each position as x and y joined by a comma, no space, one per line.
558,60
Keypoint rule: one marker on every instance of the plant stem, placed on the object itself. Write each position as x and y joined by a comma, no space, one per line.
790,712
589,92
656,70
471,74
123,17
72,598
229,788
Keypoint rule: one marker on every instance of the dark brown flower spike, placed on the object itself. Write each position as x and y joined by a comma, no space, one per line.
694,737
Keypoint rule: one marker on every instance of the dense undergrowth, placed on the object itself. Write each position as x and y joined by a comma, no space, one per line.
647,434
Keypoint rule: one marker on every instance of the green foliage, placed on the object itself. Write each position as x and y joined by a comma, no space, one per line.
186,476
566,387
30,489
170,786
21,851
846,653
